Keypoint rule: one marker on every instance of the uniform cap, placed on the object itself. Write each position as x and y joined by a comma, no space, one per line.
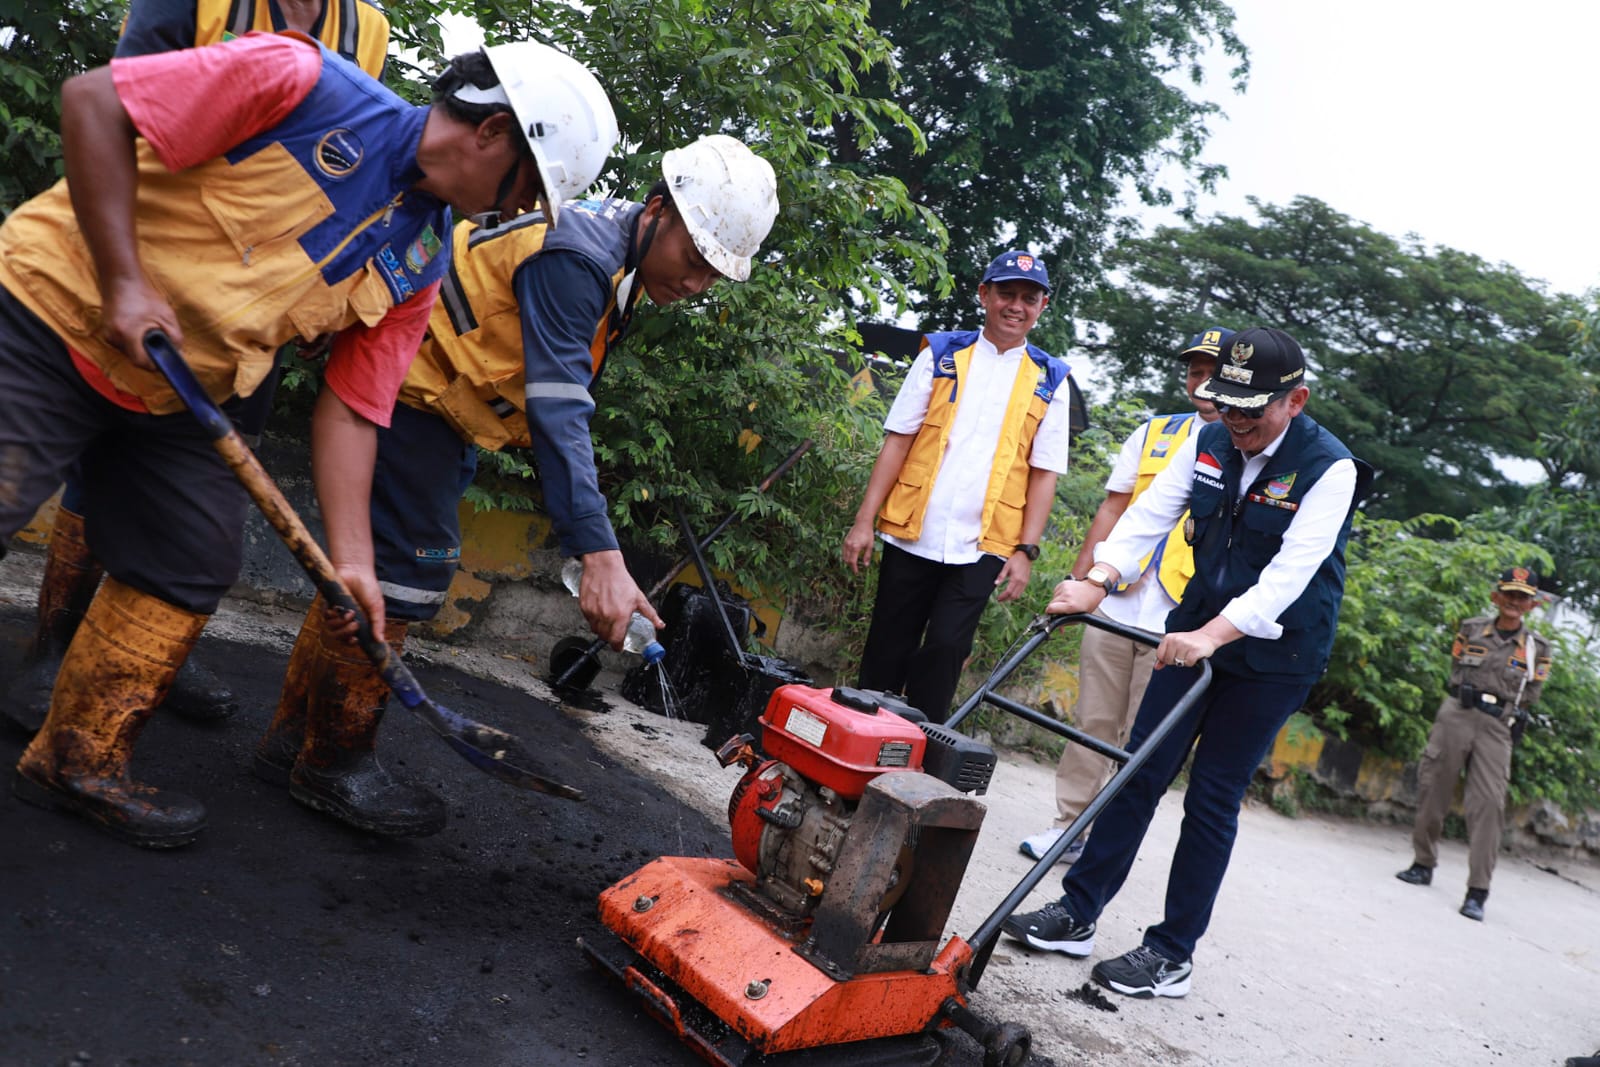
1256,366
1018,265
1208,342
1519,580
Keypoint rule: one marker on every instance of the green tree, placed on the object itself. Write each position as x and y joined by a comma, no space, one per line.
1429,363
1038,117
706,396
41,45
1409,584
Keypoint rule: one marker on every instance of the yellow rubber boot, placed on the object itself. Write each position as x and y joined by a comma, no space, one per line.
120,664
338,770
71,576
280,746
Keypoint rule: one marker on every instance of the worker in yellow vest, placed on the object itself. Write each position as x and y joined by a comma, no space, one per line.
514,347
359,32
1113,671
962,487
235,196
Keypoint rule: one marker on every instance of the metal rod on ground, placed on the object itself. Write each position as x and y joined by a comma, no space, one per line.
576,667
710,583
984,938
492,751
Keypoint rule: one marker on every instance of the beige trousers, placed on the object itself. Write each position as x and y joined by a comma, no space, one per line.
1464,737
1112,675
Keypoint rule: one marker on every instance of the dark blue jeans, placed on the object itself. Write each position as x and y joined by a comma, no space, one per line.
1235,721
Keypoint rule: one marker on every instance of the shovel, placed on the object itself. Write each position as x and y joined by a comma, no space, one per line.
494,752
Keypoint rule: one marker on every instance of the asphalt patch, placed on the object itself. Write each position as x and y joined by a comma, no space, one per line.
285,939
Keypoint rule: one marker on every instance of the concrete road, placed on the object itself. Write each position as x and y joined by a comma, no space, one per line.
1316,955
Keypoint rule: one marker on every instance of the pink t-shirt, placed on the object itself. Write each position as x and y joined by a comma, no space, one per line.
193,106
196,104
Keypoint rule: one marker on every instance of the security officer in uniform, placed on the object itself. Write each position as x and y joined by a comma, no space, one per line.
515,344
1498,668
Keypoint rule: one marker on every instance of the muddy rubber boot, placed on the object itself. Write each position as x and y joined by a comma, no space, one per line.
197,694
280,746
338,772
70,578
121,662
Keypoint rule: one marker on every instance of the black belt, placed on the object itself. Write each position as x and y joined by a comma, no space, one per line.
1472,697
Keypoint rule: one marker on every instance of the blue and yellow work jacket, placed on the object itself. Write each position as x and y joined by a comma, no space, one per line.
1000,526
355,29
302,230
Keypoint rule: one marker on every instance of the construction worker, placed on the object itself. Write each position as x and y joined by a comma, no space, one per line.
514,347
1498,669
358,31
1114,671
234,196
962,487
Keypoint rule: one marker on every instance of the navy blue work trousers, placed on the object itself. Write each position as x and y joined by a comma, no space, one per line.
1231,729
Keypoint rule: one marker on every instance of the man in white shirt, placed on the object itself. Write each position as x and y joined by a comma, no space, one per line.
1270,496
962,487
1113,671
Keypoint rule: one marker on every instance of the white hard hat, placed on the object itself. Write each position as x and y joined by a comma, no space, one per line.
727,197
563,112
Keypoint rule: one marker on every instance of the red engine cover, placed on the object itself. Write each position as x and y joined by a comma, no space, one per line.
837,746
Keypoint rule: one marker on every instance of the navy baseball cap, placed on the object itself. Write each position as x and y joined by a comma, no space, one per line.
1257,366
1018,265
1208,342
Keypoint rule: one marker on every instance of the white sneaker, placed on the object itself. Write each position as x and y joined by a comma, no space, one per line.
1036,846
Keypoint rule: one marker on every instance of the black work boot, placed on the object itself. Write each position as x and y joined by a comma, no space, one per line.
123,658
1416,874
71,576
337,771
1472,907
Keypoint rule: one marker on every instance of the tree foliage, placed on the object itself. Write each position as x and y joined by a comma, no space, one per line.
1038,117
1409,584
41,45
1430,363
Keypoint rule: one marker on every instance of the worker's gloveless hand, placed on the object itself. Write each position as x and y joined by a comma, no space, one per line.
609,596
131,309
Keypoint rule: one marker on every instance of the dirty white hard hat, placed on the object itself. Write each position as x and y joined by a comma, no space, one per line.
727,197
563,112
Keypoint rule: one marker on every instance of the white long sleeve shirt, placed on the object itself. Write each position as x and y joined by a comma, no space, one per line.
1309,539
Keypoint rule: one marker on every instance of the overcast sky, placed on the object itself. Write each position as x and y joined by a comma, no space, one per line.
1468,123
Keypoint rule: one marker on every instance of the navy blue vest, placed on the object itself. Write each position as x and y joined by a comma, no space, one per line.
1235,537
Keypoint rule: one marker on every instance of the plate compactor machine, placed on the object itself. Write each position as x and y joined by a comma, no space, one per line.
820,942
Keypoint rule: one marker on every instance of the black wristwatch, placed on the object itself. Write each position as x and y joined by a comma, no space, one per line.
1031,551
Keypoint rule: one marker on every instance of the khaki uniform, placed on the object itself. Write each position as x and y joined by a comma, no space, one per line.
1474,731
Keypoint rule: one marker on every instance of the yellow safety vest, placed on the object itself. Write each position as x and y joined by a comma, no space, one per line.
355,29
1000,526
469,370
1174,558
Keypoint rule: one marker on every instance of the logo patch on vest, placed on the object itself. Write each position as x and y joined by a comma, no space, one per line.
398,282
1208,471
1279,488
423,249
1159,449
339,153
947,363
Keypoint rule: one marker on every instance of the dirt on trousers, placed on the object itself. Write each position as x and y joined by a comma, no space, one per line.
283,938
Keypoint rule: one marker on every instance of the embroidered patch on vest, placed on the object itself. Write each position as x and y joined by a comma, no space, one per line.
339,153
1279,488
1208,471
423,249
403,289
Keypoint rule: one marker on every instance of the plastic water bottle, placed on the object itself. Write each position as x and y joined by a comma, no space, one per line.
641,638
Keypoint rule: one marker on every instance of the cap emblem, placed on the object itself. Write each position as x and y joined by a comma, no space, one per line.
1025,262
1241,353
